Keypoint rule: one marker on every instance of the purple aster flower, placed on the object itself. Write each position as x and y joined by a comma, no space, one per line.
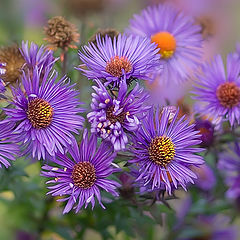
229,163
206,179
46,113
115,116
207,131
219,91
2,72
213,227
2,68
8,147
177,37
81,177
2,86
37,56
112,60
164,150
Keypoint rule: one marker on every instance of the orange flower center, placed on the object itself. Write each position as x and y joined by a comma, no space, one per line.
117,65
166,43
228,94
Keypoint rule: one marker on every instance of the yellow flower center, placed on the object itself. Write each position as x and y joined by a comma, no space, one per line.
161,150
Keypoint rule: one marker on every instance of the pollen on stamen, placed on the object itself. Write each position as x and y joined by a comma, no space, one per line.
166,43
161,150
117,65
39,113
107,101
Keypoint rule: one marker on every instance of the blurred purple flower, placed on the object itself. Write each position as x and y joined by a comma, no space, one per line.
127,57
164,151
229,164
81,177
127,188
113,117
214,227
177,37
46,113
206,130
8,148
22,235
206,179
219,91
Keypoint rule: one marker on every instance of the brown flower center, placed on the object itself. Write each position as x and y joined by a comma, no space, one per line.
117,64
115,118
84,175
39,113
161,150
228,94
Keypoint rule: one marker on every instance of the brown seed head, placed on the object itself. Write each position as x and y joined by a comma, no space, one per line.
228,94
60,33
81,8
14,63
117,64
40,113
161,150
115,118
84,175
103,33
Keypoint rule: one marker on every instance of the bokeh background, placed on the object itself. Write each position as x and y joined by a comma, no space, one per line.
25,210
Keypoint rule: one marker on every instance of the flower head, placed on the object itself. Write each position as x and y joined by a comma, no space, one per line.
212,227
37,56
229,164
123,57
8,147
219,91
46,113
164,151
207,131
113,117
177,38
206,179
13,63
60,33
81,177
